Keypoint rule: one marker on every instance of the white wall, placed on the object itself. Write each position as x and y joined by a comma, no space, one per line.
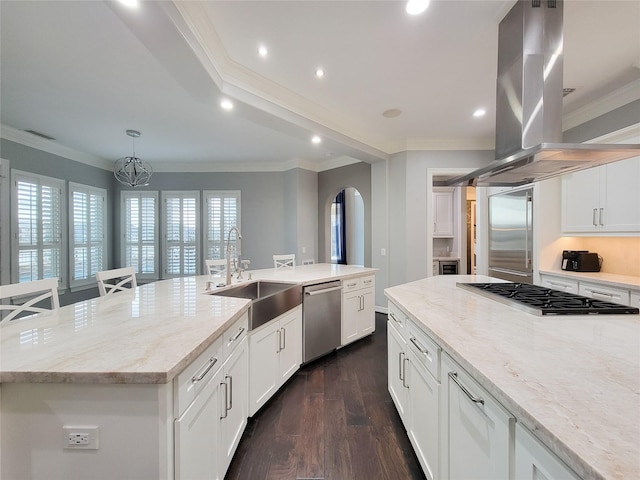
380,230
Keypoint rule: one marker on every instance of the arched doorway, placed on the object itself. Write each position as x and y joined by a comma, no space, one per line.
346,227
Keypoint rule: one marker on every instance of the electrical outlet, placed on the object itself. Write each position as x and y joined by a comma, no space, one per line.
80,438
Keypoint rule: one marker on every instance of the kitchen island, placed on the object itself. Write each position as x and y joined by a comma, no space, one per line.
116,363
572,381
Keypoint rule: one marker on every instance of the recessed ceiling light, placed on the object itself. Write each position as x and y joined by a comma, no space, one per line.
316,139
130,3
416,7
263,51
226,104
392,113
479,112
319,72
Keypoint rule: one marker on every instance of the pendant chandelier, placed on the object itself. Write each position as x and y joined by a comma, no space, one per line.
133,171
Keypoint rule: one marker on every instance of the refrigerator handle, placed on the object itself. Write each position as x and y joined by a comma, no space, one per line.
529,226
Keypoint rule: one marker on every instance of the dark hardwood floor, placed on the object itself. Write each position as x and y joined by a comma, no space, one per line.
333,420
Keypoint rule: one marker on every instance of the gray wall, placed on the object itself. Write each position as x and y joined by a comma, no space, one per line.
330,182
615,120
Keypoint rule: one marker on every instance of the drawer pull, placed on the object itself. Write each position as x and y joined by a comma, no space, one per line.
237,335
454,376
419,347
212,362
394,318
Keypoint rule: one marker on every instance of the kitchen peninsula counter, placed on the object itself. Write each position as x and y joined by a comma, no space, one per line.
572,380
144,336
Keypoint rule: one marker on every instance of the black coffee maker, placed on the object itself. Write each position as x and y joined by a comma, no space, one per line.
581,261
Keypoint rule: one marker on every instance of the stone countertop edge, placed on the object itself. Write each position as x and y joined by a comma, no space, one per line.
612,279
545,434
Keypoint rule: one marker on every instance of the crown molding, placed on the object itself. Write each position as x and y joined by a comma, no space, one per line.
49,146
616,99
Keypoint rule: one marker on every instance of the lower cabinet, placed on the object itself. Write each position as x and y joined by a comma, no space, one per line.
592,289
479,437
212,406
533,461
397,369
276,354
358,308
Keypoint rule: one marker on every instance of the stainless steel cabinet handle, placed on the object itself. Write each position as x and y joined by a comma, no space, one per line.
225,399
454,376
418,346
601,216
279,340
230,392
284,339
595,222
394,318
212,361
602,294
404,372
400,364
237,335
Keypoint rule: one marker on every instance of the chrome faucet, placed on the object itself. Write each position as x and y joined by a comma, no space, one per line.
238,236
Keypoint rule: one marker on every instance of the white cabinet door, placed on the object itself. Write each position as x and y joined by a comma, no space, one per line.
443,213
424,429
635,298
479,436
290,349
396,371
366,315
581,200
235,402
350,306
534,462
197,436
620,197
264,365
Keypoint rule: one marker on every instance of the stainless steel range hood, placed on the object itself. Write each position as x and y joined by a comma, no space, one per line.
529,144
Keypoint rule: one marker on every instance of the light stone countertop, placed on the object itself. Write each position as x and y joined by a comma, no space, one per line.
144,336
614,280
573,380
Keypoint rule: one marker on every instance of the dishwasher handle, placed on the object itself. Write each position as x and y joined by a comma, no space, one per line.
320,292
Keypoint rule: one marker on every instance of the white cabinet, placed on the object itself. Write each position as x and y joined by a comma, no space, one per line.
562,284
480,431
533,461
276,354
397,366
603,199
358,309
234,386
602,292
443,224
424,400
634,298
211,406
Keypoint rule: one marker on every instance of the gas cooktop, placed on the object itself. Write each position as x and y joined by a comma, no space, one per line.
546,301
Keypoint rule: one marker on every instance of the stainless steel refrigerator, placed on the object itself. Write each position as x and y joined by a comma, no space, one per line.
511,236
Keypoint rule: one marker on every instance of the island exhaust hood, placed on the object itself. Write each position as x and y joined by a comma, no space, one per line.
529,96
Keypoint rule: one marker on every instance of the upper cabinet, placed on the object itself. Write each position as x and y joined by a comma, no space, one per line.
443,226
602,200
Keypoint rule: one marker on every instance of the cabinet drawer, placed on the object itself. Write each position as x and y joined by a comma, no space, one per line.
564,285
634,299
234,335
397,318
606,293
424,350
358,283
196,376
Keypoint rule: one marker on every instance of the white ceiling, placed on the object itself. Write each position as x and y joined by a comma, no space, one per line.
85,71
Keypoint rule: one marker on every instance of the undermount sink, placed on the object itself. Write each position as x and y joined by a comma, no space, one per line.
268,299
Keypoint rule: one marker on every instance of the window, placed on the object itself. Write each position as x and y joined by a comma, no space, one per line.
181,233
222,211
139,215
37,226
87,227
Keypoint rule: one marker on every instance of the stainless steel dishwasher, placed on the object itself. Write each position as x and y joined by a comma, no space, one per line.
321,319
